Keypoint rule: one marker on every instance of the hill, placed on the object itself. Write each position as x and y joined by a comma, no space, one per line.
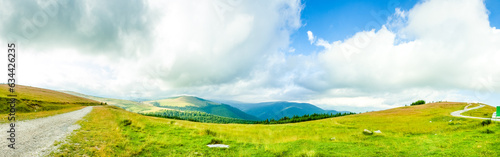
277,110
40,94
33,102
128,105
190,103
424,130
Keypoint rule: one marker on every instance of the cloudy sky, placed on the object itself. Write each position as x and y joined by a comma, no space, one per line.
346,55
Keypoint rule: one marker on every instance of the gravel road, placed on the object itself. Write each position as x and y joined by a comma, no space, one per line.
459,113
36,137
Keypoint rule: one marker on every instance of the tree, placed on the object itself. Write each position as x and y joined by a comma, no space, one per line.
419,102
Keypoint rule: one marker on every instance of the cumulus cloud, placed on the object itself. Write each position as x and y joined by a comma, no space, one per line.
240,50
447,45
310,37
89,26
138,49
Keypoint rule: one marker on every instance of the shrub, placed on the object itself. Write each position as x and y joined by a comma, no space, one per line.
126,122
215,141
419,102
488,131
486,122
209,132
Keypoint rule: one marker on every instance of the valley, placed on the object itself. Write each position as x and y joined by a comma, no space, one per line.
420,130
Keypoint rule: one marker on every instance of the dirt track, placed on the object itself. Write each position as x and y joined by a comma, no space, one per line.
36,137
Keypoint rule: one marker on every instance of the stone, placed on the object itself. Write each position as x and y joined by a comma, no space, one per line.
367,132
218,146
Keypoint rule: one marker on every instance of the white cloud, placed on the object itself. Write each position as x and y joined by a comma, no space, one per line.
439,50
450,47
154,48
310,37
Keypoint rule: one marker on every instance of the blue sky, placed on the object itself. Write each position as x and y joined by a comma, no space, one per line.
240,50
341,19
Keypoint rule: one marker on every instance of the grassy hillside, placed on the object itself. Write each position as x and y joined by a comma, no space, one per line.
278,110
424,130
40,94
190,103
128,105
35,102
485,112
182,101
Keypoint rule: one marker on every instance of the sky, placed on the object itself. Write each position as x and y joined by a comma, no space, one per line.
355,55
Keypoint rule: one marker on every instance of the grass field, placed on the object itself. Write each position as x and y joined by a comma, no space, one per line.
182,101
40,114
485,112
34,93
423,130
35,102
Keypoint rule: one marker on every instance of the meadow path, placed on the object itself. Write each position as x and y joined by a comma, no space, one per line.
36,137
459,113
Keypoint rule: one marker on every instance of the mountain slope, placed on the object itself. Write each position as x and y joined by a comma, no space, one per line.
32,99
128,105
278,110
424,130
40,94
190,103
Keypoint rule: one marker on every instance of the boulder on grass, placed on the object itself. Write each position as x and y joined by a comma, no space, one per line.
367,132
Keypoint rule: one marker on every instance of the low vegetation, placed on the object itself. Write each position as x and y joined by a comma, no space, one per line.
304,118
196,116
419,102
422,130
32,102
484,112
203,117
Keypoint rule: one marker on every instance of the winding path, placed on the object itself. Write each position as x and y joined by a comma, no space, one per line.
36,137
459,113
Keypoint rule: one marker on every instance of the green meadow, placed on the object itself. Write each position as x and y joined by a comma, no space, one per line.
422,130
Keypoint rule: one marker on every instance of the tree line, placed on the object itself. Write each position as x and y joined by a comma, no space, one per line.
203,117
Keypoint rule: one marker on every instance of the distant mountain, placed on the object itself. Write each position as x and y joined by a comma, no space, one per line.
278,110
128,105
240,105
191,103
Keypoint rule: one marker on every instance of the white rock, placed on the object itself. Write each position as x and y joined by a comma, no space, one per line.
377,132
218,146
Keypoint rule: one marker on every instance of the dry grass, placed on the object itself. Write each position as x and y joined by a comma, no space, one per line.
34,115
34,93
485,112
424,130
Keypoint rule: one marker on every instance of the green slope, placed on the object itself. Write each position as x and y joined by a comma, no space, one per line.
33,102
32,99
277,110
128,105
424,130
190,103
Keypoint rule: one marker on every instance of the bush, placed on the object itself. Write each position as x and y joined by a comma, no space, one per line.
419,102
126,122
209,132
486,122
215,141
488,131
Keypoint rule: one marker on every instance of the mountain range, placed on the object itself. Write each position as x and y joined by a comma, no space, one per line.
231,109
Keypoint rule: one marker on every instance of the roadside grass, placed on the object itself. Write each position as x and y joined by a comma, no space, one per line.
112,131
32,102
423,130
40,114
484,112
